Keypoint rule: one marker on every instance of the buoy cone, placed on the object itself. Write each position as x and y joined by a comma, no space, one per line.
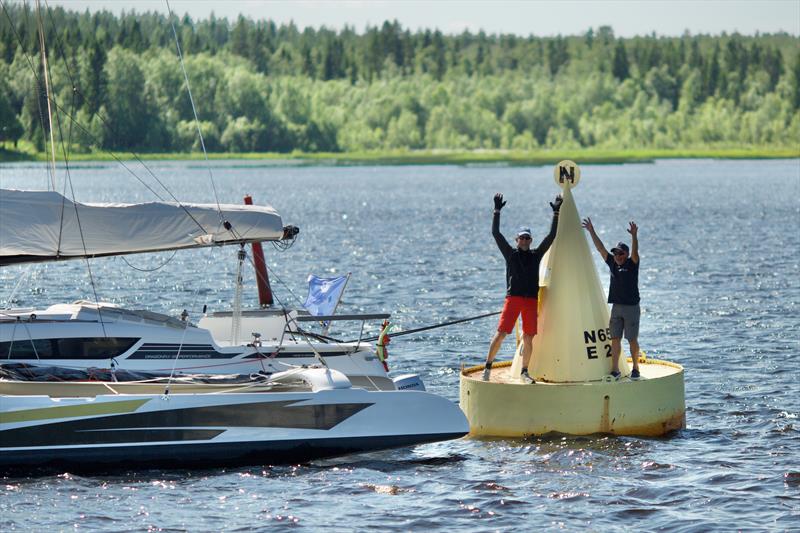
571,362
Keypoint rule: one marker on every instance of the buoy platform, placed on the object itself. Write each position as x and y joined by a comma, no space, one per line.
651,406
572,357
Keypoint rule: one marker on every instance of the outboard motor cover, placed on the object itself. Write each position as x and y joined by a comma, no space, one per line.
409,382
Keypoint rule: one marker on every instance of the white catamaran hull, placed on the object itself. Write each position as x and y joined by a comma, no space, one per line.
202,430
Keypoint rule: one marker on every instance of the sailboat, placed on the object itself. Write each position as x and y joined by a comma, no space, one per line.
295,413
39,226
286,404
52,419
45,226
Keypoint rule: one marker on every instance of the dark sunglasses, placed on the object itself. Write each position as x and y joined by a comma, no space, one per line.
619,253
524,237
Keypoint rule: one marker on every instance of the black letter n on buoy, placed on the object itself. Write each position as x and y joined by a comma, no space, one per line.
566,174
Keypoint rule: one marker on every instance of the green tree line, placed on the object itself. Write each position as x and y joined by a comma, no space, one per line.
117,85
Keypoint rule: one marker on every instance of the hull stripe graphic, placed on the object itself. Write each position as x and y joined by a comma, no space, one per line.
71,411
180,424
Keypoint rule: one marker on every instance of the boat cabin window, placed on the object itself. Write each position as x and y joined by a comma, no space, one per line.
24,349
77,348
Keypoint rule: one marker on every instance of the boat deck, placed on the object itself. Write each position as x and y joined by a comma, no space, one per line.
501,373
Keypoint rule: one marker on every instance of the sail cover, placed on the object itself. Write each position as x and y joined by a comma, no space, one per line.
46,226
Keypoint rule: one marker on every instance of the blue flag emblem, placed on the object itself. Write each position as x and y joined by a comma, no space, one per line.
324,294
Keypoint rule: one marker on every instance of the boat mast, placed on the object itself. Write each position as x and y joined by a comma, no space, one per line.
47,91
262,277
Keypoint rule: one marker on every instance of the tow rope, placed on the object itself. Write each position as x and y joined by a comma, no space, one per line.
426,328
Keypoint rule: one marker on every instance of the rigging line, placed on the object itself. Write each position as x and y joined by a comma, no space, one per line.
33,344
280,301
282,246
194,109
69,115
278,278
183,335
435,326
37,83
305,335
319,357
64,196
75,90
68,179
106,124
25,274
159,267
11,344
46,73
88,263
261,277
52,99
324,338
298,329
65,149
258,275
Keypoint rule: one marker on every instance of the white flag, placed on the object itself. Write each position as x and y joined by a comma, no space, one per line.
324,294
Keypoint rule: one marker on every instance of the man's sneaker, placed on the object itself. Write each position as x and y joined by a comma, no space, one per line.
525,378
487,372
615,374
635,373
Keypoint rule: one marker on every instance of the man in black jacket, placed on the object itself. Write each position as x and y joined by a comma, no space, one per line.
522,285
623,294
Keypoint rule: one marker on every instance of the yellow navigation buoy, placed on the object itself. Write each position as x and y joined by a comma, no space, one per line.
573,393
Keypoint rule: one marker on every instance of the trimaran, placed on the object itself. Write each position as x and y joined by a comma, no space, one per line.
92,385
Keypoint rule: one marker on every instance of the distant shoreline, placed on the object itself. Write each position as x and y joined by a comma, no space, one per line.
520,158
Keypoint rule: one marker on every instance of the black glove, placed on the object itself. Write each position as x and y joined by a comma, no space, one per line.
557,204
498,201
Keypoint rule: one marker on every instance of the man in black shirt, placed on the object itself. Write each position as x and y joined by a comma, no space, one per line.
623,294
522,285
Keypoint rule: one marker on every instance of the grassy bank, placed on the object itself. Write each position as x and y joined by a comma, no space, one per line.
541,157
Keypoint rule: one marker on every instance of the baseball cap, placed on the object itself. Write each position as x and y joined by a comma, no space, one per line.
524,231
622,247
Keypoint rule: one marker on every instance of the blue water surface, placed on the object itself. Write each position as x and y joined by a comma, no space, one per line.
720,284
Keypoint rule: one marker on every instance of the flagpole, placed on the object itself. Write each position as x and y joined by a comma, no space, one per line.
339,299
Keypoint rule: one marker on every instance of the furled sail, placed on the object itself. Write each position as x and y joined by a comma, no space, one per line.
46,226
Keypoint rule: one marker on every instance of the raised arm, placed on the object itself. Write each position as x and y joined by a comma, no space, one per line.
550,237
587,223
501,241
634,231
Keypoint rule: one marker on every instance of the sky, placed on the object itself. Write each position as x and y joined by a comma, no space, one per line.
521,17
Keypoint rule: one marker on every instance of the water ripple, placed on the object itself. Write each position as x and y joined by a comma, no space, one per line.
713,301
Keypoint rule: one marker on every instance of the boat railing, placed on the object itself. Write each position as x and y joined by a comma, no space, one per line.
363,318
331,318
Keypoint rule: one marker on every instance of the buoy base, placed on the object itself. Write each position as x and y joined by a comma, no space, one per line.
651,406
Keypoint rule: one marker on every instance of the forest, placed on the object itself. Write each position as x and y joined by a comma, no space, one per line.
117,85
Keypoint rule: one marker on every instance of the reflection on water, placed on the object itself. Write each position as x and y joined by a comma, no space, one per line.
720,283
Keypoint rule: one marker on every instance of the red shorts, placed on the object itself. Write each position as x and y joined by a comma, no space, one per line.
514,306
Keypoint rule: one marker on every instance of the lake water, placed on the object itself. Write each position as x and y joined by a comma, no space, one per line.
720,285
